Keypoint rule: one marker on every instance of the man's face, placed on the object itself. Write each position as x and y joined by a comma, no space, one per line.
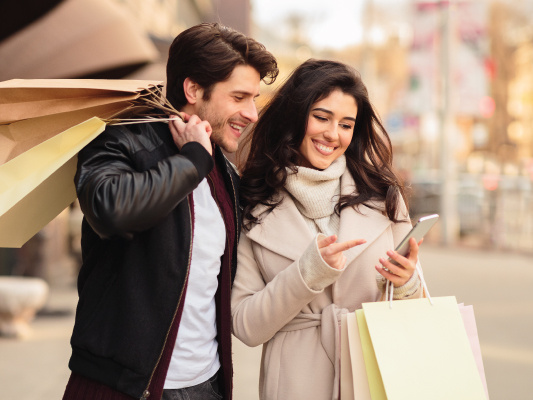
231,106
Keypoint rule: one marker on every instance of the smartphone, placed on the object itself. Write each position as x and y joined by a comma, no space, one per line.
422,226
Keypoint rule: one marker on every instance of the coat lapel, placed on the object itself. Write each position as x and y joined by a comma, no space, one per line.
283,231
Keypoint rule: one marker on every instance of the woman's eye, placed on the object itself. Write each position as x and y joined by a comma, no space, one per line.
238,98
320,118
346,126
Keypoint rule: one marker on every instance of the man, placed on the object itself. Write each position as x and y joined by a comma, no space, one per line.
160,231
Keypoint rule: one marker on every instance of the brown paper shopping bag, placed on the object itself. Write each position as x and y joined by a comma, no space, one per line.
38,184
30,98
34,110
418,349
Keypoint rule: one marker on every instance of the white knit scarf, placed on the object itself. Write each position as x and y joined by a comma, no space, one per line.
316,192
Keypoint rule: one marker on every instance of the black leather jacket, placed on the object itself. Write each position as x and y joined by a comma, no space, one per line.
133,186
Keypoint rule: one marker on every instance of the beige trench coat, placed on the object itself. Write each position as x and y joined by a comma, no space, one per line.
271,303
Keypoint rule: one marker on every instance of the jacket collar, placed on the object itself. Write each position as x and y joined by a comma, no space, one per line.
285,232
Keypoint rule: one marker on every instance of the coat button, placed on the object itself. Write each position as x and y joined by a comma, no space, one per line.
146,394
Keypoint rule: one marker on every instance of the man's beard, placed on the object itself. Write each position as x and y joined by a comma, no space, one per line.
217,126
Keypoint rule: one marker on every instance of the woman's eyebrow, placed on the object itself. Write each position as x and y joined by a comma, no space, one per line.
331,113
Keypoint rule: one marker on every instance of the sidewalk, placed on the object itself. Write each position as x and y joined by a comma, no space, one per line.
498,284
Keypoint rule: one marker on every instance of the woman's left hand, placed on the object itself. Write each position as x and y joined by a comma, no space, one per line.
400,271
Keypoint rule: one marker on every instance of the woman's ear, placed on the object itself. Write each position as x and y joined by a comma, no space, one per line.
193,91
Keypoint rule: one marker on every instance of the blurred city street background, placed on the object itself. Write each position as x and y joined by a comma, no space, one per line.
453,84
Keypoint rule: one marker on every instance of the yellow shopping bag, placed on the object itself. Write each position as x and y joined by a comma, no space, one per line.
418,349
38,184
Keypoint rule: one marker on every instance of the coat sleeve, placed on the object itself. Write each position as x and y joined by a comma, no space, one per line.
118,199
259,309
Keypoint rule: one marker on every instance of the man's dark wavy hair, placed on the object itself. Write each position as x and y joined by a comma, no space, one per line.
207,54
273,145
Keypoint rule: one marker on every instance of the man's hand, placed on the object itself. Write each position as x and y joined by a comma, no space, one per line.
192,130
332,252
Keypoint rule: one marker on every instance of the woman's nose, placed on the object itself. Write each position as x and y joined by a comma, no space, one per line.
331,133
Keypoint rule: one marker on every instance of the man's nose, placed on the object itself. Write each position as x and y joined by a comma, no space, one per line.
250,112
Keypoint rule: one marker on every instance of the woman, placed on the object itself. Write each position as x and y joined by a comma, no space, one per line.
322,206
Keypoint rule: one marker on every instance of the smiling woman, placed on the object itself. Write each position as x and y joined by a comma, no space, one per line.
323,209
329,130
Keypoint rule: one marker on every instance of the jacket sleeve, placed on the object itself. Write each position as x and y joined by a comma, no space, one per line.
119,200
259,310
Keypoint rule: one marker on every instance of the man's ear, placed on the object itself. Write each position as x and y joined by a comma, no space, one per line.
193,91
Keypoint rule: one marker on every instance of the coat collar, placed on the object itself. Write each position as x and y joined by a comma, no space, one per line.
285,232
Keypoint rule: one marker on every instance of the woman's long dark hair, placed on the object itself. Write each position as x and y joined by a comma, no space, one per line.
275,140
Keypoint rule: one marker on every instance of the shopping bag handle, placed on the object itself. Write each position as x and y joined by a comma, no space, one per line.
389,289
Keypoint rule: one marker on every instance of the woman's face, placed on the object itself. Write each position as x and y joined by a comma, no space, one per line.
330,126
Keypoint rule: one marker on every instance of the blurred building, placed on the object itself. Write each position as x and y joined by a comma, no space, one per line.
519,48
468,104
163,20
101,38
72,39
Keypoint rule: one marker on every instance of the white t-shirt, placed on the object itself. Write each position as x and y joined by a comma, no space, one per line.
195,357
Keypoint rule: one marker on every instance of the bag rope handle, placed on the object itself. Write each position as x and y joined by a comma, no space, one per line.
389,287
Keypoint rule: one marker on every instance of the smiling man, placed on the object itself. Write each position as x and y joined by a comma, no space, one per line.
160,230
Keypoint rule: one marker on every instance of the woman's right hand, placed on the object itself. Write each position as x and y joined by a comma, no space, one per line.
332,252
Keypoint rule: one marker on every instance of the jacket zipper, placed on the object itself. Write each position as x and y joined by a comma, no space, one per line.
235,201
146,392
237,231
